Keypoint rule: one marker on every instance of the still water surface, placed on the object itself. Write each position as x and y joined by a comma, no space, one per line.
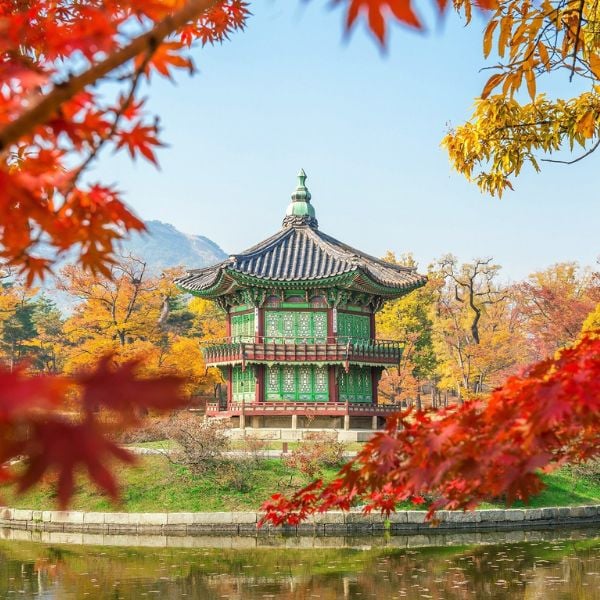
554,566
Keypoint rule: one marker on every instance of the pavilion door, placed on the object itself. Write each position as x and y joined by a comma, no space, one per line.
242,327
297,327
356,385
292,383
354,327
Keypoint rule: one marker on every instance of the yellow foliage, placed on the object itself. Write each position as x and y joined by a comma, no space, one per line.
132,316
592,323
209,320
504,133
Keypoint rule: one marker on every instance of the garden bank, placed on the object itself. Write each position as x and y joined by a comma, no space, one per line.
333,522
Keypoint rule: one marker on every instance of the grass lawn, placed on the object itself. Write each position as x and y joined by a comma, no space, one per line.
239,445
155,485
565,489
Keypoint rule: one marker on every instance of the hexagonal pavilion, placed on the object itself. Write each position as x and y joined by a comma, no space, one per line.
301,341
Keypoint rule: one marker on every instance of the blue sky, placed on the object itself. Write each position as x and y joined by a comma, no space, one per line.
290,92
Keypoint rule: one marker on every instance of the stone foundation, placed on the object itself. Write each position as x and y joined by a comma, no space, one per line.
334,522
294,435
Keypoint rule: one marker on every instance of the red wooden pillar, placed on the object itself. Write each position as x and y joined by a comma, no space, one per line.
259,332
229,385
333,385
375,375
331,335
228,324
259,395
330,329
259,328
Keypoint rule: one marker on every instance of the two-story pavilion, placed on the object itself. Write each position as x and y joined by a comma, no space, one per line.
301,326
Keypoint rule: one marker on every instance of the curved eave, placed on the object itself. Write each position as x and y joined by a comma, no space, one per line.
229,280
319,363
221,285
365,282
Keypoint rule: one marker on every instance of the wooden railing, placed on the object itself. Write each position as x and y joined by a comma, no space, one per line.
334,349
304,408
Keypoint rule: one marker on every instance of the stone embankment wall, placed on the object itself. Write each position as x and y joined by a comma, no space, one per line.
335,522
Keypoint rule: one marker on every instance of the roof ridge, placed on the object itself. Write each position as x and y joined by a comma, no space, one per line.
264,245
360,253
324,239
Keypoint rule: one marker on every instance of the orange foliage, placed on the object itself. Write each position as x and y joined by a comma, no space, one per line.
33,428
55,120
462,456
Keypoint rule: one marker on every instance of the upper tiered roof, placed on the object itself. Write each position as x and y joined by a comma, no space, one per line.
299,255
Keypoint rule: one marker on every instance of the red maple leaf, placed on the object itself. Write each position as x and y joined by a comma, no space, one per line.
139,140
165,58
117,388
56,445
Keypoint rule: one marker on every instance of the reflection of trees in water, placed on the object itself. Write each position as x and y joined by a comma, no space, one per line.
552,570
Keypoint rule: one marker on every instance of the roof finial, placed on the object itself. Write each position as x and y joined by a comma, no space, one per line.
301,194
300,211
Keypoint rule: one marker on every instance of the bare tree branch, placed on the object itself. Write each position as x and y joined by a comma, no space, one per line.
43,110
570,162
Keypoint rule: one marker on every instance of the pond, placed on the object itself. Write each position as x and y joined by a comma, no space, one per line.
553,565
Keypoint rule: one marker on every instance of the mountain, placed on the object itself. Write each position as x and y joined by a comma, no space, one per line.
163,246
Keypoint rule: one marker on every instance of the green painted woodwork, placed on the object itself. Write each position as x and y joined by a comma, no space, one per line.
356,327
234,281
295,305
292,293
243,384
306,383
356,385
358,309
241,308
296,326
247,280
242,327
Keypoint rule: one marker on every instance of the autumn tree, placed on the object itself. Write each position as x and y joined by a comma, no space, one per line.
408,320
133,314
113,312
592,321
50,337
71,76
208,319
475,332
554,303
532,44
466,454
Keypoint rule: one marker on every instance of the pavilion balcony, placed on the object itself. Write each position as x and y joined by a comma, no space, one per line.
333,350
284,408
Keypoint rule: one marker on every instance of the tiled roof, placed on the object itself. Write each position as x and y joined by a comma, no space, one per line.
299,252
302,253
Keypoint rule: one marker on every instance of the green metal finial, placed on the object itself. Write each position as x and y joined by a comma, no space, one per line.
300,211
301,194
301,178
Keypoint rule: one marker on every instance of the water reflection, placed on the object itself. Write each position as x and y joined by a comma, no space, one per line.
565,565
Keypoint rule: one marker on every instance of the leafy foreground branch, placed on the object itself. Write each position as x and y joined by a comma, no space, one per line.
463,456
37,437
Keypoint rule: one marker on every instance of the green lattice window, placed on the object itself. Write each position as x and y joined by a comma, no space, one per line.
243,384
242,327
296,326
306,383
355,386
357,327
